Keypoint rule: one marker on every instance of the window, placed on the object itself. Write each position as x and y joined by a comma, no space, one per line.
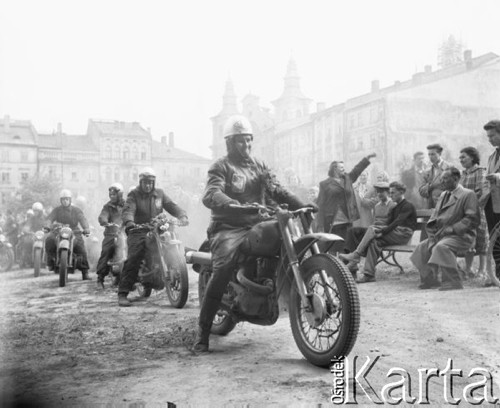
135,175
24,156
74,177
108,174
24,176
107,152
116,154
126,153
360,118
143,153
5,178
52,171
5,156
117,174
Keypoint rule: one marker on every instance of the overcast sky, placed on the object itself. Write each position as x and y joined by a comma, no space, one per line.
165,63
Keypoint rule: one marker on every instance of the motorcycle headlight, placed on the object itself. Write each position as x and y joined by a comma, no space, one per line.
66,232
2,238
39,235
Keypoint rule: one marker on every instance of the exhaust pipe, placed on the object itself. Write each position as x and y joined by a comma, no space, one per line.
253,286
196,257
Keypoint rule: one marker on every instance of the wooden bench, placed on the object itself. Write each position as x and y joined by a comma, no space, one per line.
388,254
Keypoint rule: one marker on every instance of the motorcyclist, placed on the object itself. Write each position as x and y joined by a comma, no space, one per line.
111,213
143,204
11,228
237,178
37,222
67,214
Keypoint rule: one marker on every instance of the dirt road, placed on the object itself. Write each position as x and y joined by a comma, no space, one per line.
74,346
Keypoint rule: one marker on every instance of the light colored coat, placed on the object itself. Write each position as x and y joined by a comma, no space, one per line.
461,213
492,189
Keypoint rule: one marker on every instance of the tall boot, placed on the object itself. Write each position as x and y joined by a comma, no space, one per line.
208,311
123,301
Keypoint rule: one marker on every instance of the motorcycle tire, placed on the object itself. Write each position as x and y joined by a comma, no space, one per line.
37,261
332,331
223,323
178,286
63,268
6,259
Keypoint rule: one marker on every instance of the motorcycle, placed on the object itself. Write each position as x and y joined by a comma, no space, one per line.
6,253
93,249
324,308
38,252
24,248
66,260
114,265
166,268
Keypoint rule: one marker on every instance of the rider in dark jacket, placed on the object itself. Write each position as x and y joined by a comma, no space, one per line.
237,178
142,205
111,219
68,214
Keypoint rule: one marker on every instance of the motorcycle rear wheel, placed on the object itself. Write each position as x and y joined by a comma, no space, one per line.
223,323
178,286
335,332
37,261
63,268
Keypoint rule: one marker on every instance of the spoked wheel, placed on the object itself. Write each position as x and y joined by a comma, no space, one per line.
178,286
37,261
63,268
330,327
493,256
6,259
222,323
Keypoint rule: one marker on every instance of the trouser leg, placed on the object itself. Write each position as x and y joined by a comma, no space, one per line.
107,251
136,250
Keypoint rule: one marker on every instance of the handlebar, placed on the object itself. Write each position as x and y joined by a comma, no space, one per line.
255,207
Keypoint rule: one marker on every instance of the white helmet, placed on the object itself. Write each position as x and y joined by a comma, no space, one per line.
65,193
116,187
30,212
37,206
81,201
237,125
147,174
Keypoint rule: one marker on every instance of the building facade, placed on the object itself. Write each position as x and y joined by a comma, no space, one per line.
447,106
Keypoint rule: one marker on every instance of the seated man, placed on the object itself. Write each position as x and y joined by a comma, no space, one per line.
358,238
401,223
451,230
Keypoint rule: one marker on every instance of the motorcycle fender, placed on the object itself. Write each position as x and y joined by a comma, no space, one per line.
304,242
64,244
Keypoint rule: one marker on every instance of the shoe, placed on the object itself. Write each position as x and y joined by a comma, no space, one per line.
123,301
352,266
85,275
488,285
429,285
100,283
449,286
366,279
201,341
352,257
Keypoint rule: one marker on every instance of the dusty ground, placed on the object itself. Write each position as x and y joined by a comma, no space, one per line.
74,346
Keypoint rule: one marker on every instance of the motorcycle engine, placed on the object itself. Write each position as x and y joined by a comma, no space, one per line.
248,302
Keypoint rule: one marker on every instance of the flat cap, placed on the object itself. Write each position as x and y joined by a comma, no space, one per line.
382,185
492,124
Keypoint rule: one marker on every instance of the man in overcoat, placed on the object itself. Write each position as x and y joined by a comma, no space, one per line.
431,187
490,199
451,230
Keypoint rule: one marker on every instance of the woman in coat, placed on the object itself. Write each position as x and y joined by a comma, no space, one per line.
337,200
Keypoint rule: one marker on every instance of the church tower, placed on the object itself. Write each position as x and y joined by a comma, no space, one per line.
292,103
229,107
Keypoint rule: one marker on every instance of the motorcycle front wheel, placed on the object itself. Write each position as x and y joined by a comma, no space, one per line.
329,329
6,259
63,268
223,323
178,286
37,261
